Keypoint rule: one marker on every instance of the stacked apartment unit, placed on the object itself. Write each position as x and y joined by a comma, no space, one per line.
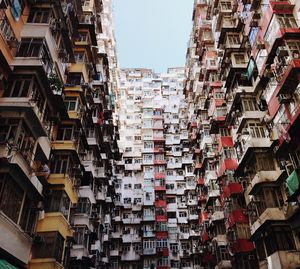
155,222
57,133
242,88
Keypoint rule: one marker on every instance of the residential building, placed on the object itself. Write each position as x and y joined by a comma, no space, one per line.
155,224
242,89
58,133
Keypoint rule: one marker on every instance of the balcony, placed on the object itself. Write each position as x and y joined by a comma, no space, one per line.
213,193
135,166
217,215
114,252
263,177
39,58
282,5
160,175
149,217
269,214
64,180
284,259
20,169
69,145
149,251
128,238
14,240
172,207
130,256
149,234
248,142
161,218
53,222
243,245
237,216
232,189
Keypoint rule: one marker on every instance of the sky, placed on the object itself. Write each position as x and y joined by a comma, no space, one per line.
152,33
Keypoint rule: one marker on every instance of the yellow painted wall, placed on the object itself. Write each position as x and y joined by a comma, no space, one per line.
44,264
53,222
63,179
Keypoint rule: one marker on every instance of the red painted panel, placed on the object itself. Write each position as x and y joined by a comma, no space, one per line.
226,141
237,216
243,245
161,235
160,203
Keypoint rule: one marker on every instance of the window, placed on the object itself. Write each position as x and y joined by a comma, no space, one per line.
279,238
182,214
8,130
264,162
61,164
83,37
127,200
286,20
253,34
229,153
50,245
239,58
84,206
20,87
224,132
71,103
6,30
149,244
233,39
57,201
74,79
162,261
80,236
222,253
127,186
137,186
137,201
257,130
138,161
126,247
39,15
79,57
162,243
11,197
249,105
173,246
30,47
65,133
225,5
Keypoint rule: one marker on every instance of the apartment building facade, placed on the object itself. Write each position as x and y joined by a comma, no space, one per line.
155,222
243,93
58,135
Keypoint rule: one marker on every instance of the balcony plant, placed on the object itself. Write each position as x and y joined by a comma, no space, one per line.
55,83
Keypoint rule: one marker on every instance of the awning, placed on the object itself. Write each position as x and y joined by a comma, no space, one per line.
6,265
293,182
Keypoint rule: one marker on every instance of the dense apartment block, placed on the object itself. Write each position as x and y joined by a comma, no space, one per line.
156,217
242,91
57,133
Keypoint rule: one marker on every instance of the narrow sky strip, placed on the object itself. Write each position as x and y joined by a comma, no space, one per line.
152,33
